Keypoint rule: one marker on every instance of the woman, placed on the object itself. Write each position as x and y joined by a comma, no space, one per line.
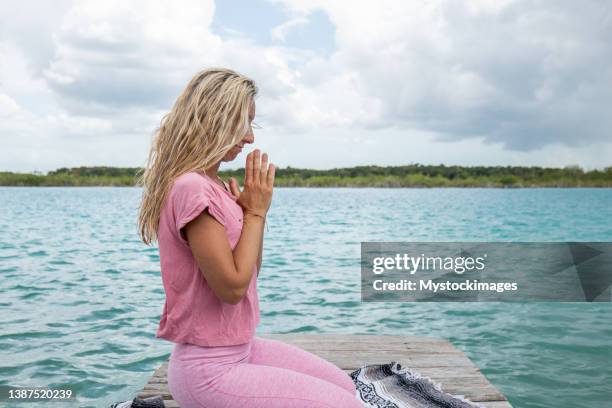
210,239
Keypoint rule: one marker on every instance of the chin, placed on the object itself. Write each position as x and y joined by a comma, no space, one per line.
229,157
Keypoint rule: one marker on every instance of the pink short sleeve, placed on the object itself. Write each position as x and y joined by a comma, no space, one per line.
189,197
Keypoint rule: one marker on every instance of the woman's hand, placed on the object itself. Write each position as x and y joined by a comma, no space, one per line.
228,270
256,196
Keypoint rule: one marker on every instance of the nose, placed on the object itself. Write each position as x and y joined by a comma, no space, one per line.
249,137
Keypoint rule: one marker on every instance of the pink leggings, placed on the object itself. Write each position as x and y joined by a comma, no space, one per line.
261,373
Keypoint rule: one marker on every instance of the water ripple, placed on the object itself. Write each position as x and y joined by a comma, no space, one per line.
82,295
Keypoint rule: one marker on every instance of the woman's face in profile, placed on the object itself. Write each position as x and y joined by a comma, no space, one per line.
248,138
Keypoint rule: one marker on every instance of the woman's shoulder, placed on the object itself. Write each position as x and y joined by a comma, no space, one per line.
191,192
192,184
190,180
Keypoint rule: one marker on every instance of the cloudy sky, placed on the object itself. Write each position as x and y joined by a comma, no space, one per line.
342,83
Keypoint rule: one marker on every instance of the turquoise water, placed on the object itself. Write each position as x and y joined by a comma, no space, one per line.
81,295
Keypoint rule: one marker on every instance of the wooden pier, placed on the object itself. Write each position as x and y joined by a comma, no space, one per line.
432,357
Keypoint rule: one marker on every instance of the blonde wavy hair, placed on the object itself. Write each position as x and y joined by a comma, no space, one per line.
209,117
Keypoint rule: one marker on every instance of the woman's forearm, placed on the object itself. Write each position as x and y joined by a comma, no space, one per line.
255,200
260,255
248,250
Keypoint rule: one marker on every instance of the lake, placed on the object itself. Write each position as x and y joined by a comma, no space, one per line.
81,295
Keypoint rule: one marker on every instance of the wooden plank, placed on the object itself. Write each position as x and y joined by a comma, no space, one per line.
443,372
349,361
429,348
431,357
353,338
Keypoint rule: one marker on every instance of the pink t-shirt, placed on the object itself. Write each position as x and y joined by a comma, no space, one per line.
192,312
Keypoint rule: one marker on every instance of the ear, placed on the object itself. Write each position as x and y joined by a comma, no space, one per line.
234,189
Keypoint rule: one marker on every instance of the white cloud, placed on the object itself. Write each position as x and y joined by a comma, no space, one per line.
8,106
525,74
279,32
465,82
119,55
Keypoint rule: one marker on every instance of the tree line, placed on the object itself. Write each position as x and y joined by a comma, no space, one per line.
412,175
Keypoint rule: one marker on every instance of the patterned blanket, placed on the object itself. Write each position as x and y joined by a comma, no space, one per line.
393,386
